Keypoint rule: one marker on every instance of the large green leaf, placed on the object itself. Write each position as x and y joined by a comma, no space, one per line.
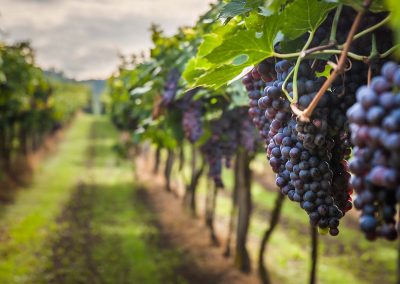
214,39
234,8
237,51
239,7
219,76
210,41
304,15
195,68
254,21
243,42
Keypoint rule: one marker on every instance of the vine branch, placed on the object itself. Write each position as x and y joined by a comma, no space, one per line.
320,50
305,115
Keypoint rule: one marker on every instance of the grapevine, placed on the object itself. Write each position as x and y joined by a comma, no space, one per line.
320,82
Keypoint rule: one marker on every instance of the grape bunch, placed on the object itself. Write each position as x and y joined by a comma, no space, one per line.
300,153
327,135
170,87
254,85
375,124
310,158
191,122
232,130
191,115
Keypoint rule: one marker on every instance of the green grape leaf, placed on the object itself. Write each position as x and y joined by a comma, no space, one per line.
248,42
293,45
376,6
219,76
195,68
239,7
243,42
210,41
274,6
214,39
234,8
238,50
304,15
255,22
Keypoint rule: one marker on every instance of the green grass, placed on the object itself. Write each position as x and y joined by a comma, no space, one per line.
123,243
127,251
27,223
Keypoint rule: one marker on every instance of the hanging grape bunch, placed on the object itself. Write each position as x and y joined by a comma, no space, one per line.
191,116
171,87
254,83
375,123
310,157
229,132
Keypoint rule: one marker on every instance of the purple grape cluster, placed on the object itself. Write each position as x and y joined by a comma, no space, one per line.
327,135
232,130
375,124
191,115
254,86
305,169
310,158
191,122
170,87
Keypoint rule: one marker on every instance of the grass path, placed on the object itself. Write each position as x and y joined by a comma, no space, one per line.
82,221
27,223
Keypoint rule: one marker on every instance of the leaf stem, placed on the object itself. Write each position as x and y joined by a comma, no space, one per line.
374,49
389,51
352,55
296,67
335,22
286,55
317,50
284,86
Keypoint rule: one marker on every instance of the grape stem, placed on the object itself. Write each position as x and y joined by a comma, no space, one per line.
296,67
374,48
389,51
352,55
332,38
313,50
320,50
284,86
306,114
369,75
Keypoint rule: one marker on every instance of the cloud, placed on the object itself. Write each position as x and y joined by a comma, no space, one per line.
83,37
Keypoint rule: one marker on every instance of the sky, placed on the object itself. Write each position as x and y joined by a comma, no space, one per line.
83,38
